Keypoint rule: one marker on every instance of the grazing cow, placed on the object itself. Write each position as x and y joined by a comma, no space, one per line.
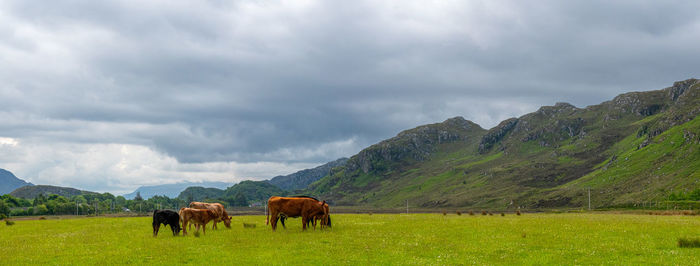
307,208
166,217
198,217
284,217
218,209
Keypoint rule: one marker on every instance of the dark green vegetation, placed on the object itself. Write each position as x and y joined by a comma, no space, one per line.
638,148
9,182
83,204
689,242
241,194
361,239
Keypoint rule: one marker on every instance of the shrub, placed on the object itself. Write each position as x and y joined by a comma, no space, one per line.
459,213
490,214
2,216
503,214
689,242
517,212
483,212
8,222
471,213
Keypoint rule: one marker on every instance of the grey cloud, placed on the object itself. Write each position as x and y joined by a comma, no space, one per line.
269,81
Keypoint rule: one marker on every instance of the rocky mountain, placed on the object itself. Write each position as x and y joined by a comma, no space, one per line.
30,192
639,146
172,190
302,179
9,182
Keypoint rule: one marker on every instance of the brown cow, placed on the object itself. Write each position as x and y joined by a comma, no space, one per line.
217,208
197,217
314,219
307,208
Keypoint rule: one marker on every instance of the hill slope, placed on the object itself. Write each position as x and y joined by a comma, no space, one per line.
303,178
30,192
9,182
548,158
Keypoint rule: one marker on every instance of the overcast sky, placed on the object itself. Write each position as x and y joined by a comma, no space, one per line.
112,95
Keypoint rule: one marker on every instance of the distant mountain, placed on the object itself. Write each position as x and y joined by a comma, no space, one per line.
302,179
172,190
637,147
9,182
30,192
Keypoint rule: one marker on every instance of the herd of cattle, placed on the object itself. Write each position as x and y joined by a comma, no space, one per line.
311,211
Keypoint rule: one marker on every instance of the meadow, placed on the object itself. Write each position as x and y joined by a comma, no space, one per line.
569,238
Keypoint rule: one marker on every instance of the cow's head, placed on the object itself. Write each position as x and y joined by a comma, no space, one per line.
227,221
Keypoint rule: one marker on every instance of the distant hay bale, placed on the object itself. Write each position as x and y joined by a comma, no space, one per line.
471,213
689,242
503,214
517,212
247,225
459,213
483,212
490,214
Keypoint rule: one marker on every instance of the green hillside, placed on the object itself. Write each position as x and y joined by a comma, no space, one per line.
640,146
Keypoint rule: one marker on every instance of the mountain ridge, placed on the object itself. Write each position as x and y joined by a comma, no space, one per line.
9,182
520,161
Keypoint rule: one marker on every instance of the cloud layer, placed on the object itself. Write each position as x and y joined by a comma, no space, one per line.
275,86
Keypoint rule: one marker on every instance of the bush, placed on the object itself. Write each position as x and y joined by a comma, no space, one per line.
8,222
518,212
459,213
471,213
2,216
689,242
483,212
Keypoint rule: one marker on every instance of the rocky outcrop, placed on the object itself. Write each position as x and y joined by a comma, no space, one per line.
303,178
496,134
415,144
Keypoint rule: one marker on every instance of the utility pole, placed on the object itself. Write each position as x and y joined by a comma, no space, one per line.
589,199
406,206
76,208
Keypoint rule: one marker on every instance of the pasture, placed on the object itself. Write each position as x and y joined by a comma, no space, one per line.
362,239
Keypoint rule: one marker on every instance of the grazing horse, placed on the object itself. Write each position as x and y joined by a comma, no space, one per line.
307,208
218,209
166,217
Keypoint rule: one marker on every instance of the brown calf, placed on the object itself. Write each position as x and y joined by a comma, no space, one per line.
217,208
197,217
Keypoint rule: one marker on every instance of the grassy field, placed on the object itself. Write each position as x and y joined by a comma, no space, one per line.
363,239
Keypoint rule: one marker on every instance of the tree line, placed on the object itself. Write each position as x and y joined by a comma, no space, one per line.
86,204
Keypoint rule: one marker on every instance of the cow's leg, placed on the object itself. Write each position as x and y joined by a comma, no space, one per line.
184,227
274,216
304,221
214,226
204,229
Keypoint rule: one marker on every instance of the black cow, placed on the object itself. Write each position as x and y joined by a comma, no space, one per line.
166,217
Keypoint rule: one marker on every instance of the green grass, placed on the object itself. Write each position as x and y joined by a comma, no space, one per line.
363,239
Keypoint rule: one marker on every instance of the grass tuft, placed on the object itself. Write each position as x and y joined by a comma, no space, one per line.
689,242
